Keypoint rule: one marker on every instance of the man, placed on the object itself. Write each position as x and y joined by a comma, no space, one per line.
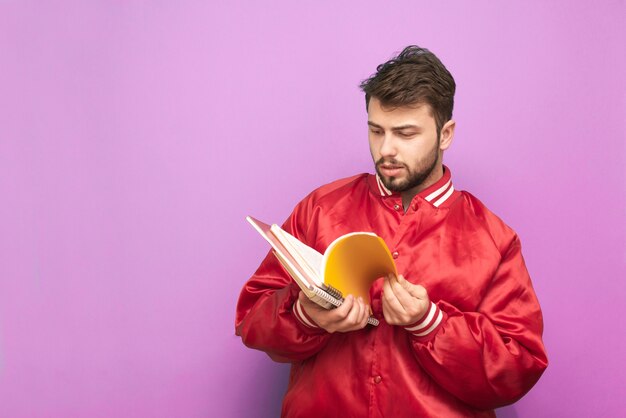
460,329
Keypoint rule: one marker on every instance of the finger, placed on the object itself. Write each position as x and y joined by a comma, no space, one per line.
361,320
388,314
355,313
413,306
344,309
419,296
415,290
366,315
406,299
389,296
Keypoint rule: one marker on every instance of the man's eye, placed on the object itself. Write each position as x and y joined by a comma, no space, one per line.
376,131
406,134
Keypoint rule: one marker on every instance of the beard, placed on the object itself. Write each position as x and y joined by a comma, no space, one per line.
421,170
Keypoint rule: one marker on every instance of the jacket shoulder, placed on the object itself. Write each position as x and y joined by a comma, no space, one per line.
321,200
341,186
501,233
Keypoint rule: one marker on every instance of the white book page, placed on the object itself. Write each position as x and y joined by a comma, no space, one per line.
307,256
307,288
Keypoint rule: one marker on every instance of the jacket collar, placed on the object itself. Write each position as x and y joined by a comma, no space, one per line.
436,194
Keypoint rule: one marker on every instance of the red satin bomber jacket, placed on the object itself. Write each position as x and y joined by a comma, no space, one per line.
479,347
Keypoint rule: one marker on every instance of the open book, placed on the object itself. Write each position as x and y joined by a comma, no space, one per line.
350,264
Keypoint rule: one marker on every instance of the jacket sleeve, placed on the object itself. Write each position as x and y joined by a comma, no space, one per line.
491,357
268,317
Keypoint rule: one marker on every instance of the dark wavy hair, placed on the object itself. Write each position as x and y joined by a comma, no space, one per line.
415,76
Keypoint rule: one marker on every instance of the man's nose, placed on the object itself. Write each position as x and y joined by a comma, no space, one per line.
388,146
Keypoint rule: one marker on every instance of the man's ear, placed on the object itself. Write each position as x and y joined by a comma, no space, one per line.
447,134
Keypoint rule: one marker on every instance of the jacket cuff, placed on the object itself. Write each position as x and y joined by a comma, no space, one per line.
302,316
429,322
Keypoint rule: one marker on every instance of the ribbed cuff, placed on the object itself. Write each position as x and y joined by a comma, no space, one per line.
428,323
302,316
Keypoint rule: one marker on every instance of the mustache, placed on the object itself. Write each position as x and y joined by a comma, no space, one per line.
389,161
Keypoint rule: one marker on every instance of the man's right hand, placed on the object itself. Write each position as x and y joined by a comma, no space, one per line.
350,316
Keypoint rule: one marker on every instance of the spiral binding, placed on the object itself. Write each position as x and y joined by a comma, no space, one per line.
334,292
331,300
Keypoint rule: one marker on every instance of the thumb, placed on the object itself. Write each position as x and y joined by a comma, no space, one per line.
414,290
406,285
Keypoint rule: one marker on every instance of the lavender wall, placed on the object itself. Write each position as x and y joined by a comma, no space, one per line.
136,136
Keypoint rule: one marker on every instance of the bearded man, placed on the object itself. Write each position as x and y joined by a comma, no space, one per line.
460,329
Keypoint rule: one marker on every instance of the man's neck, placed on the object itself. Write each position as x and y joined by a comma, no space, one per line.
433,177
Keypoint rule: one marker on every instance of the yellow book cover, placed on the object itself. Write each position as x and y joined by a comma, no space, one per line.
352,262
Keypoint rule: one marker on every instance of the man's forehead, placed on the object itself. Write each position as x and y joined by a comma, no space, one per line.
414,114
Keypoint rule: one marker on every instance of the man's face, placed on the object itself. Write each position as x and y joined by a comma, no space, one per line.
404,144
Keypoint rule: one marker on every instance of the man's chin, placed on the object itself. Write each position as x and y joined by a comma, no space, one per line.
394,184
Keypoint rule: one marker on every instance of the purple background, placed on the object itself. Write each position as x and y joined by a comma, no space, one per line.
136,136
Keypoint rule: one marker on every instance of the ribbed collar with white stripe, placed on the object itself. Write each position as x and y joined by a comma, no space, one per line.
437,194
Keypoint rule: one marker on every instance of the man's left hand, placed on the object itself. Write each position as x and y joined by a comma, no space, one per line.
404,303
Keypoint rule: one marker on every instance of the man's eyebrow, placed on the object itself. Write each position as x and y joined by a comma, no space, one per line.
403,127
395,128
